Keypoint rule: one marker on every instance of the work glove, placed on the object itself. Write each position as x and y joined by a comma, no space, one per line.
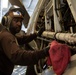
20,34
46,50
40,31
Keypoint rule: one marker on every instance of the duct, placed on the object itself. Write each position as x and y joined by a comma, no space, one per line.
48,34
66,37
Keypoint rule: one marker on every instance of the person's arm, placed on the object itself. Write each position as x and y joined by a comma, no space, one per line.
17,55
22,39
25,38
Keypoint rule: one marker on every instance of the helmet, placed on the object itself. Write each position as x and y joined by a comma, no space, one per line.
17,9
14,11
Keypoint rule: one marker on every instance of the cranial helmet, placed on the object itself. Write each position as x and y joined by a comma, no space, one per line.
14,11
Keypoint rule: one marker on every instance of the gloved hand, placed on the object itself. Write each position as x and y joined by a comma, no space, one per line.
46,50
40,31
20,34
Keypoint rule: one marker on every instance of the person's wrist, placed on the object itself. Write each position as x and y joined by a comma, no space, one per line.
46,50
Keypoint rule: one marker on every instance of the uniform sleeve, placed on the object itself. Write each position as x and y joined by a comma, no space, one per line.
17,55
26,38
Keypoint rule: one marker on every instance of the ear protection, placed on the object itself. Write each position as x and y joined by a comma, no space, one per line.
14,11
6,20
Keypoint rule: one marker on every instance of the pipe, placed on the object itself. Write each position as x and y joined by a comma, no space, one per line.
66,37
